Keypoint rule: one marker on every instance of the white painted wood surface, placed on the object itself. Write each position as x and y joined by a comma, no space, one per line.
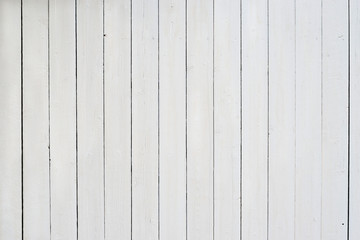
90,119
179,119
36,163
308,120
254,118
200,116
172,119
145,124
62,91
117,114
335,120
282,80
10,120
354,46
226,119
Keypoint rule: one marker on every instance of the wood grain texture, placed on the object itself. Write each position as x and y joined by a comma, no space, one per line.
10,120
282,125
254,119
335,120
117,120
36,164
145,120
172,119
200,119
62,119
90,120
226,119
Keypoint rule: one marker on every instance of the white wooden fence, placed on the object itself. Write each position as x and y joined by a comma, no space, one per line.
180,119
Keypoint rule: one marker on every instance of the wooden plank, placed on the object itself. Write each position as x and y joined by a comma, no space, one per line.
308,120
90,119
200,119
36,121
281,120
226,119
62,119
172,119
254,119
117,120
10,120
354,210
144,119
335,120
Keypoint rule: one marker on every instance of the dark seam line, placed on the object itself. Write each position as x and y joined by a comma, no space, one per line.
295,123
186,138
268,124
103,99
76,125
349,123
321,121
213,119
49,117
22,115
158,113
241,132
131,127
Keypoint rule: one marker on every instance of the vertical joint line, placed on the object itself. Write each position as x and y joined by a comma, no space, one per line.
241,182
76,125
48,73
103,99
268,124
321,121
186,126
295,130
131,127
22,115
158,113
213,120
349,122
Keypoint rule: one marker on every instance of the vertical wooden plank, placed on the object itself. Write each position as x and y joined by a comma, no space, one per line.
117,120
281,119
172,119
200,119
10,120
335,120
226,119
354,218
144,119
36,120
308,120
254,119
90,119
62,119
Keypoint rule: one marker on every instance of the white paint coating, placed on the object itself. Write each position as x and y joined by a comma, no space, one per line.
10,120
172,119
227,119
117,120
145,212
184,120
334,120
281,120
200,133
36,195
90,120
354,230
254,119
